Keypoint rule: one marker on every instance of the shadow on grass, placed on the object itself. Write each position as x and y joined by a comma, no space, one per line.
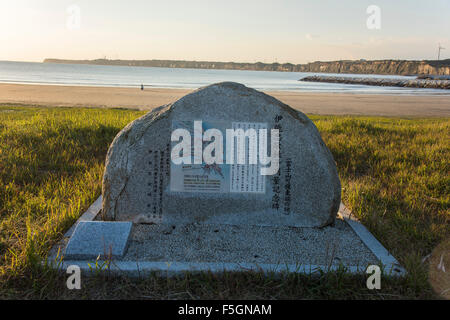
49,284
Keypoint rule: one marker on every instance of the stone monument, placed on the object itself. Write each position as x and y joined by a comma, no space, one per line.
225,178
183,163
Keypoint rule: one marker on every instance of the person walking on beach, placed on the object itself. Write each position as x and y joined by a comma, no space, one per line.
142,87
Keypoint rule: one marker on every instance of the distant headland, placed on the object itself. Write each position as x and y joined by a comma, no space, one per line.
392,67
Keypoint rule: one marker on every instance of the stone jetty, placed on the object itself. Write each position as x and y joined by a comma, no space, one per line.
411,83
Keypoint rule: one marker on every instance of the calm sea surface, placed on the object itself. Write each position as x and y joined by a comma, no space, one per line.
124,76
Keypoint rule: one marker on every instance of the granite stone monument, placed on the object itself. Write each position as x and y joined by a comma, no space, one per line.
180,164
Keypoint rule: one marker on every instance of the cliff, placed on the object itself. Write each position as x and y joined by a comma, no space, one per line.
183,64
397,67
393,67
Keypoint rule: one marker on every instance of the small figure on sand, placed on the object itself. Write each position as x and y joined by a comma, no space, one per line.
142,87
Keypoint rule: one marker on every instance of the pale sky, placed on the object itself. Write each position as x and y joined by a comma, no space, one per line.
296,31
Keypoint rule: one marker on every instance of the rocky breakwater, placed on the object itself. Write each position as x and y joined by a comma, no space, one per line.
411,83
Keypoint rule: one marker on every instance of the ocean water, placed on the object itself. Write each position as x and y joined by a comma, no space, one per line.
125,76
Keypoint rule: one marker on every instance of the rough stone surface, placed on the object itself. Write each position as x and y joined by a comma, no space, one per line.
93,238
249,244
412,83
129,176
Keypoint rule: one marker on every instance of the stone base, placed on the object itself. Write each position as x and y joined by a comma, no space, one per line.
219,247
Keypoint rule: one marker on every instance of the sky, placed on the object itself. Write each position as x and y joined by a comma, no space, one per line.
296,31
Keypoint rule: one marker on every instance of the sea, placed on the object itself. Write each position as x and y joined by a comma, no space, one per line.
150,77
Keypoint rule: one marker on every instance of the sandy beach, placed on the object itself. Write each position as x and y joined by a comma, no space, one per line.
311,103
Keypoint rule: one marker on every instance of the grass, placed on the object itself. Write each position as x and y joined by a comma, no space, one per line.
394,174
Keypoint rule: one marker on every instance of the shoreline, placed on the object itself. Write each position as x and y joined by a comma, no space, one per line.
395,105
435,92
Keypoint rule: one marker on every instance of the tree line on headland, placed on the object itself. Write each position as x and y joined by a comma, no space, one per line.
394,67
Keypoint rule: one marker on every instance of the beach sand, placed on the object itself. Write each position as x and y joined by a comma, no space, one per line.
311,103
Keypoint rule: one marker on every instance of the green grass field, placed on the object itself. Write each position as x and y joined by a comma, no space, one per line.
394,174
